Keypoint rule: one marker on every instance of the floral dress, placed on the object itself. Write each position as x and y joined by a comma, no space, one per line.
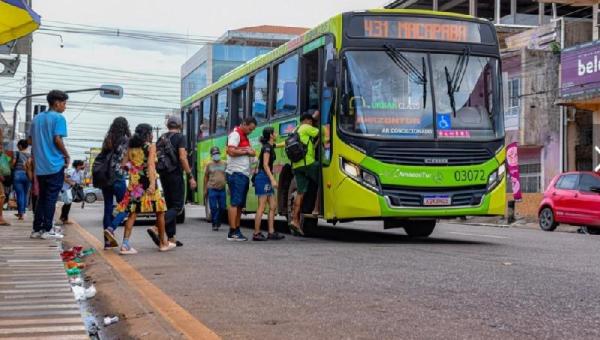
136,198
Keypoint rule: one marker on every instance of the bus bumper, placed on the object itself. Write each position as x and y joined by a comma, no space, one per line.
369,205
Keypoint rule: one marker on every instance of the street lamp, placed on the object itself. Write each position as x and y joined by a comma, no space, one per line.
106,91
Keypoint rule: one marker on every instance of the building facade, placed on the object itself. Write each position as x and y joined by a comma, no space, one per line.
232,49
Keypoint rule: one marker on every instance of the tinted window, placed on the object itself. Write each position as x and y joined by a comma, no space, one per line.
286,100
205,121
567,182
587,182
222,113
260,95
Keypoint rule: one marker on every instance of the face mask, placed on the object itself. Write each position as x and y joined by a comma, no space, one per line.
216,157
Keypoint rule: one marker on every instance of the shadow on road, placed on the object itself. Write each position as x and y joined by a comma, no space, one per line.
352,235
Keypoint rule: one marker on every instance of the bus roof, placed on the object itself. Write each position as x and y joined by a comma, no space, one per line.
332,25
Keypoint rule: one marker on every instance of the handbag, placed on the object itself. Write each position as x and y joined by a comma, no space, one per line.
77,193
66,196
5,166
253,177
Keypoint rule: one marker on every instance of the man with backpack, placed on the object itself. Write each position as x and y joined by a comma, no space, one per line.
300,149
172,162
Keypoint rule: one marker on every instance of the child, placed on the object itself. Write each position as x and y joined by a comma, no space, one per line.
214,187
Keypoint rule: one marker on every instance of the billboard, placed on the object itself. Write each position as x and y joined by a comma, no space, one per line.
580,70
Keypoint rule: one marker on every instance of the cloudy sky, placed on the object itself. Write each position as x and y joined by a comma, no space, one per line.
148,70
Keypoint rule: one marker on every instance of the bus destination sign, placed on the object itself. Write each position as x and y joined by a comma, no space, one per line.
411,28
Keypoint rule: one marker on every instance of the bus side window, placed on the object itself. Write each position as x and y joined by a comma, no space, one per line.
204,128
260,95
222,114
286,87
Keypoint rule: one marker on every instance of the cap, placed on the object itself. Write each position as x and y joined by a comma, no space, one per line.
174,120
215,150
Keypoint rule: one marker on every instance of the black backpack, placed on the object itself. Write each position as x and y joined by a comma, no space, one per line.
294,148
167,158
102,174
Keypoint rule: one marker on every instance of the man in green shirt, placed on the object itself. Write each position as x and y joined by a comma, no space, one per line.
306,170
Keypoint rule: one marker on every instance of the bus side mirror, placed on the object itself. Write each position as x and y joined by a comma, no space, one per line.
330,73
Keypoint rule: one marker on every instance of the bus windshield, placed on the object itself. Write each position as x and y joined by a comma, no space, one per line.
388,94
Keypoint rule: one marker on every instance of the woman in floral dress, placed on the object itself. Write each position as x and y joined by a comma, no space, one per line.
142,195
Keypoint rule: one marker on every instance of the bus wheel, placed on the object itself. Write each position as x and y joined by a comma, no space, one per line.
306,223
208,217
419,228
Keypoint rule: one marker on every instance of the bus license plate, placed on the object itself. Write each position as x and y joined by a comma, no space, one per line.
437,200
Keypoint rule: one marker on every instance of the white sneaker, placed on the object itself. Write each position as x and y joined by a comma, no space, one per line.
125,251
51,235
35,235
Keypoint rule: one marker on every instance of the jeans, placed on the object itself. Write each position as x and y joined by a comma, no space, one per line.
50,186
115,191
238,189
173,189
217,201
21,184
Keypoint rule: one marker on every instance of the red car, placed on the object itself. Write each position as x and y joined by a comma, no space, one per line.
572,198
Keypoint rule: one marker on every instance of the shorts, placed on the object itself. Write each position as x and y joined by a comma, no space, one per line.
238,189
304,175
262,184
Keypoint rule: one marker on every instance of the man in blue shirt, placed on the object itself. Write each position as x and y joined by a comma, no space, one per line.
50,158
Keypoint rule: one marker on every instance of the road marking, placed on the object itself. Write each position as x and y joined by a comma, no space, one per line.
34,302
51,337
40,313
176,315
31,282
480,235
35,322
48,329
40,307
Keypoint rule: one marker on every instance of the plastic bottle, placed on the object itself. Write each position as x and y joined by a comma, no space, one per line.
109,320
73,272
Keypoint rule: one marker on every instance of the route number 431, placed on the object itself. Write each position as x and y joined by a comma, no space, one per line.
469,175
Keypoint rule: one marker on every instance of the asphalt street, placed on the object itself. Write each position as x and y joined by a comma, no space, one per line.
357,281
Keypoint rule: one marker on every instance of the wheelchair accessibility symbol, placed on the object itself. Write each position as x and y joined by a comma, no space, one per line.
443,122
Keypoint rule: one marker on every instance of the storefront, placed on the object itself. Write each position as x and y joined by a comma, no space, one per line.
580,93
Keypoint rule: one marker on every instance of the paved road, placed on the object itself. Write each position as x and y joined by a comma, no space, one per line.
357,281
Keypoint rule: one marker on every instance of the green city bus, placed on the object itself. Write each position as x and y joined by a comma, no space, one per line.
412,127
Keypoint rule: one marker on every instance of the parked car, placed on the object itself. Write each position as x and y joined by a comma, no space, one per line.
572,198
92,194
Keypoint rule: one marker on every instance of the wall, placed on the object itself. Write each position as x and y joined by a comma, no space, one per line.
540,119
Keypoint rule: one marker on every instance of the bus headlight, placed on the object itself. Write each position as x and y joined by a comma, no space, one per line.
496,177
362,176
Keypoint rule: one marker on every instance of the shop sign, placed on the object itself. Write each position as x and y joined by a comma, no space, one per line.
580,70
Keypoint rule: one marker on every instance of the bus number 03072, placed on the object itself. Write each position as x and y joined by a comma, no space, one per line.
469,175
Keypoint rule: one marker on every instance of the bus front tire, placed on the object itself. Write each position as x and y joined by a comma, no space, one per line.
418,228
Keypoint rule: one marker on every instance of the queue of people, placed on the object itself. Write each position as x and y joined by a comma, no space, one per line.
134,165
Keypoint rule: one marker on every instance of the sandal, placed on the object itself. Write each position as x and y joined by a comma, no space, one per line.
296,229
153,236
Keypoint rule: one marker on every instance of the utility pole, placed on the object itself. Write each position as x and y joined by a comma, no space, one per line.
28,91
157,129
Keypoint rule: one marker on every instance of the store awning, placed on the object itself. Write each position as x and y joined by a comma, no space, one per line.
16,20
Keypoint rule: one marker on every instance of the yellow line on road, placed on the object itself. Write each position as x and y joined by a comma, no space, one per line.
176,315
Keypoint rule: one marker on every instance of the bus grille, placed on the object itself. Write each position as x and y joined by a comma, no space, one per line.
414,197
431,156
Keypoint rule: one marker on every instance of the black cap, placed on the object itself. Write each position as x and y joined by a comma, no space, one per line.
215,150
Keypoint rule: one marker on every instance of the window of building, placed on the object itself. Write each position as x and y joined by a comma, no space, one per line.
222,113
567,182
260,95
514,99
531,177
205,121
194,81
286,96
587,182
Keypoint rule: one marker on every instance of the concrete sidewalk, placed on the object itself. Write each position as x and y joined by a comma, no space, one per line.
36,300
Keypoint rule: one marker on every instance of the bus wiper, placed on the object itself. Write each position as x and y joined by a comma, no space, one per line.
450,91
458,74
407,66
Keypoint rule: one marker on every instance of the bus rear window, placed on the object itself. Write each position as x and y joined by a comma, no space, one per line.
419,28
